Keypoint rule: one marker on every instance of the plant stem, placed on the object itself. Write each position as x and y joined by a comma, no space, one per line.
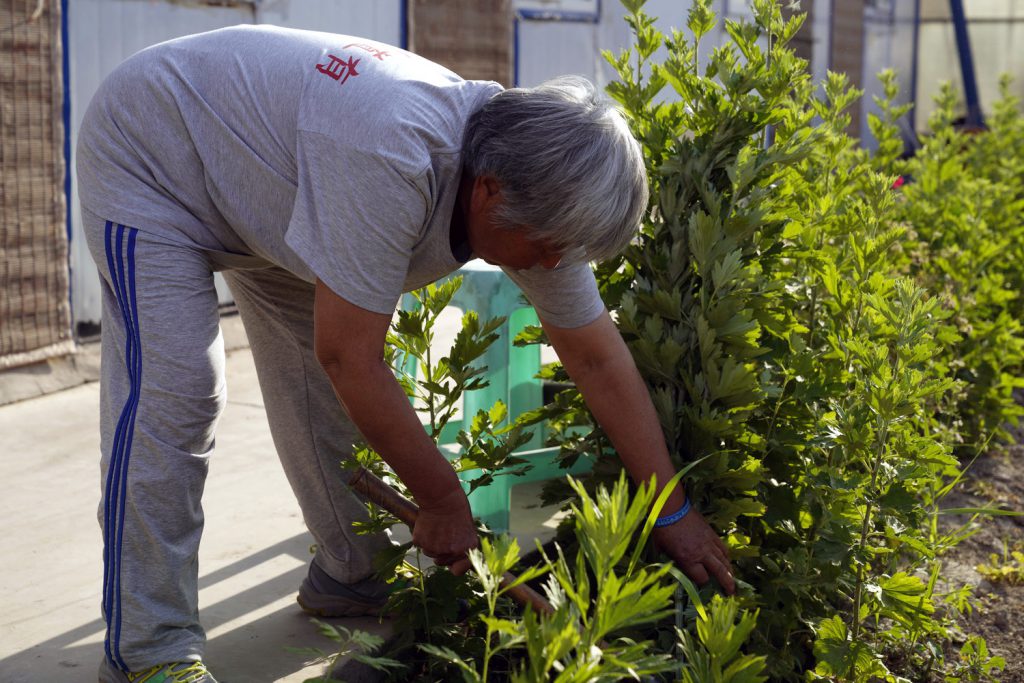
775,413
812,326
423,596
492,607
865,527
428,372
814,314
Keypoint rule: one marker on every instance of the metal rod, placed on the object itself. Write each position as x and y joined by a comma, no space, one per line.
914,69
403,24
963,46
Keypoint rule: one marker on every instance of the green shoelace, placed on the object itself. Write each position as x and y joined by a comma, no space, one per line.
178,672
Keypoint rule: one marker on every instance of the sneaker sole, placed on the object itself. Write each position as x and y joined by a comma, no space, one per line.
109,673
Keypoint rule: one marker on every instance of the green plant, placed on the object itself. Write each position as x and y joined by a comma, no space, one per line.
570,644
976,663
790,347
601,595
1009,568
714,653
962,211
432,605
602,591
819,343
353,644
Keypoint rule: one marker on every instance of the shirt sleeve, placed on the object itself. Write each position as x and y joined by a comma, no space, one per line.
563,296
356,220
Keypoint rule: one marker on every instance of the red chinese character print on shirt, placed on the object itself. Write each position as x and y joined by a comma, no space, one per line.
376,52
339,68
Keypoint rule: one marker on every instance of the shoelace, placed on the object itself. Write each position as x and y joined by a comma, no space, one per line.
180,672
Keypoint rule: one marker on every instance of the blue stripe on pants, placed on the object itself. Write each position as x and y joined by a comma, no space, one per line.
121,267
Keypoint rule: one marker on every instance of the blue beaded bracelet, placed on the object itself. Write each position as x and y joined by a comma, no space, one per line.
675,516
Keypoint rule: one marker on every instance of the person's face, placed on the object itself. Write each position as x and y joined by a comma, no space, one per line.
501,246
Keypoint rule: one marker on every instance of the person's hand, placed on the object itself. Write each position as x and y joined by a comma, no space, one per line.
696,549
445,531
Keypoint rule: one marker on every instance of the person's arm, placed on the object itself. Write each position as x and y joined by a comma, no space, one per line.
349,343
598,361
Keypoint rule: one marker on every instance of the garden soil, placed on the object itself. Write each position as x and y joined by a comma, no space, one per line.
995,480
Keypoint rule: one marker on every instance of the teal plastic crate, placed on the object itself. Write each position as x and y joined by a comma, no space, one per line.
493,503
511,376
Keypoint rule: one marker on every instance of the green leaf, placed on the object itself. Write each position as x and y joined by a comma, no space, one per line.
996,512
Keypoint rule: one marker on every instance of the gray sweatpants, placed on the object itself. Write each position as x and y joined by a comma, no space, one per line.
162,392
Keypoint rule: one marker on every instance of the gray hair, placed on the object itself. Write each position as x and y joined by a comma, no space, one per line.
570,171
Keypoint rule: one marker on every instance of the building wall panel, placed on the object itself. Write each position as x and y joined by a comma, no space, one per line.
546,49
993,47
848,40
473,38
34,306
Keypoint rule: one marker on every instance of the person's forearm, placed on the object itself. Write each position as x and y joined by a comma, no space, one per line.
601,365
380,409
604,372
618,398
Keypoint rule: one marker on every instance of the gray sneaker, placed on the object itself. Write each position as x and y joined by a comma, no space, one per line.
323,596
173,672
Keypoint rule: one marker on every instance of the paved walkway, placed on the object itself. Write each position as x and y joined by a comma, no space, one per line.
252,559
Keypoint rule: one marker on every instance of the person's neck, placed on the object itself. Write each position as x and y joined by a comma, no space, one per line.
458,232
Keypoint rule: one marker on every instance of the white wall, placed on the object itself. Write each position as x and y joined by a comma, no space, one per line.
996,30
549,48
995,48
888,44
102,33
374,19
546,49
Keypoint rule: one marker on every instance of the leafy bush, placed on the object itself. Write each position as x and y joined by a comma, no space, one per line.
783,310
823,331
962,210
615,614
599,596
433,607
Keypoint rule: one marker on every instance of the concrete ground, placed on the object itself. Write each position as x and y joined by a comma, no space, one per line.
252,559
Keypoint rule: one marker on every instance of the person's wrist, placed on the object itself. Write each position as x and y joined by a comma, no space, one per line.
447,500
674,517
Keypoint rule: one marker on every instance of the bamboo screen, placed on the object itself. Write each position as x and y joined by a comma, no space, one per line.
473,38
34,303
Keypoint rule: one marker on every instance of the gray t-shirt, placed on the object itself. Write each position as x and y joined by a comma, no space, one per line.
332,156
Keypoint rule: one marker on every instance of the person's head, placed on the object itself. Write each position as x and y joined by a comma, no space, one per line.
557,166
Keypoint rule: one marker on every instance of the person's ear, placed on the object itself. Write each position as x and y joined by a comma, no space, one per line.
486,191
492,186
